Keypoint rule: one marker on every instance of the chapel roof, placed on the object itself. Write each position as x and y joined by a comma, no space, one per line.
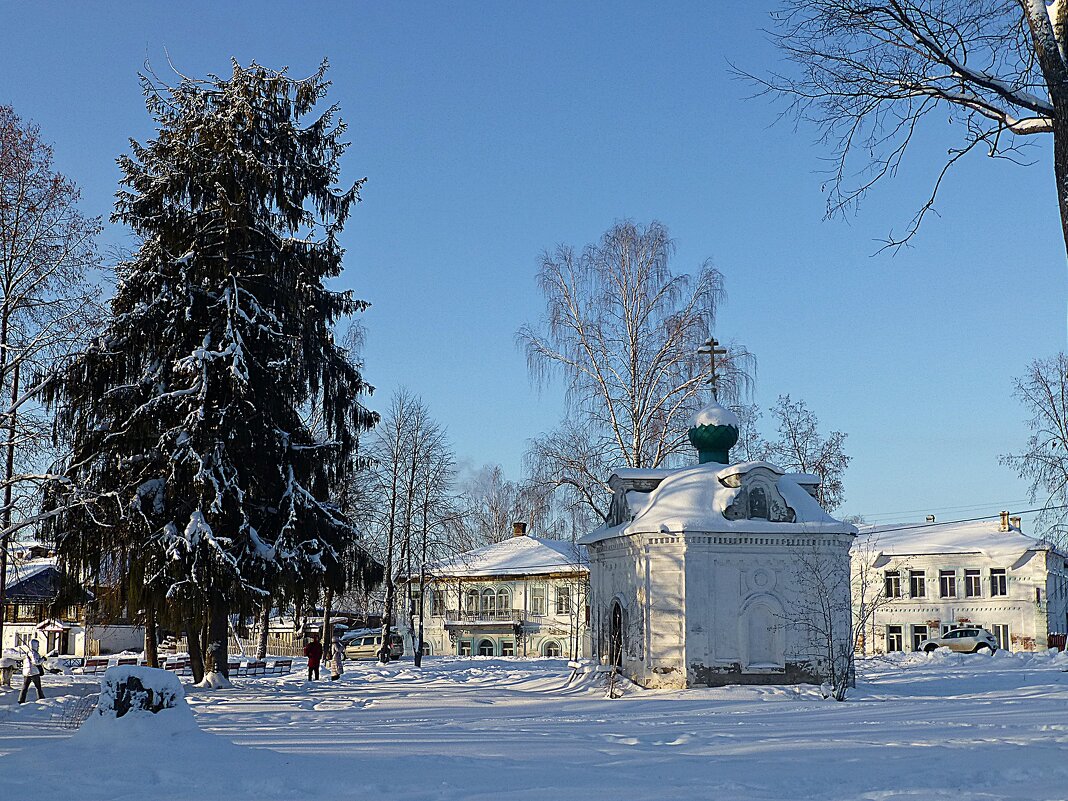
694,499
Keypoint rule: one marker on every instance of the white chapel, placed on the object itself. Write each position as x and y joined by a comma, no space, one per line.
703,575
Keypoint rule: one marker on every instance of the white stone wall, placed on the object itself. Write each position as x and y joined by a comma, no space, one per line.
720,608
1030,617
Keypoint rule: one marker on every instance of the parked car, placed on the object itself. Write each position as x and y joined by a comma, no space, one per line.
367,643
964,639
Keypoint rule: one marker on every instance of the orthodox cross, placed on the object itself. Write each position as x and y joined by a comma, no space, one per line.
713,349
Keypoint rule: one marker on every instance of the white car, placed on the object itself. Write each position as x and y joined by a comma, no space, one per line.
963,639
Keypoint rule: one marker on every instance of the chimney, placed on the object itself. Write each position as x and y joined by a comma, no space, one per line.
1015,522
519,529
930,518
1004,522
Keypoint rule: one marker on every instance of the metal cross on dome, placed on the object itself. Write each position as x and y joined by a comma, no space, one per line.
713,348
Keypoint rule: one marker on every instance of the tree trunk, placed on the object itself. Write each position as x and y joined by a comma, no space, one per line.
265,619
1060,165
217,647
9,472
151,653
387,606
196,655
328,601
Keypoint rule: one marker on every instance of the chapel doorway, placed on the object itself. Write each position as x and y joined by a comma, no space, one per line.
615,636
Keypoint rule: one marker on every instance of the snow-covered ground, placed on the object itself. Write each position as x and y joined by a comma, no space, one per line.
951,726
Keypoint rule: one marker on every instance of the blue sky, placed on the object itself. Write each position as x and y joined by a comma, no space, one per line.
490,132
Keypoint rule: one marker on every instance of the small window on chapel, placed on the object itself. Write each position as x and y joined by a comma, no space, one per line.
758,503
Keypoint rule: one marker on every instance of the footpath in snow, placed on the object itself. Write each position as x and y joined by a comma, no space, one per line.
949,726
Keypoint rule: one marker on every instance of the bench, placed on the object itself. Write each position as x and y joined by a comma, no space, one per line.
281,667
233,667
257,668
179,666
95,665
127,660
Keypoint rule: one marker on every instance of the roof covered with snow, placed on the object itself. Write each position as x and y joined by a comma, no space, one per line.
33,578
695,498
918,539
515,556
715,415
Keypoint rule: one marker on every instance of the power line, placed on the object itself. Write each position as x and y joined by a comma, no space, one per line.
1001,504
965,520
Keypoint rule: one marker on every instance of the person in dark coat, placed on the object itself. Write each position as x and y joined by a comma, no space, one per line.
314,652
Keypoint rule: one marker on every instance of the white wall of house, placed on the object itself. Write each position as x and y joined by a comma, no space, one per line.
478,616
1019,594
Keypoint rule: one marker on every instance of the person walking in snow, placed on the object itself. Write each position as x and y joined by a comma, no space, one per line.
337,658
32,670
314,652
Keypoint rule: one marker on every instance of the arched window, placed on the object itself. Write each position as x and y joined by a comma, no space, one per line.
472,601
485,648
489,603
551,648
504,602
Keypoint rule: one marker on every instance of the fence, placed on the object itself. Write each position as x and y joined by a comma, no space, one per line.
1057,641
275,646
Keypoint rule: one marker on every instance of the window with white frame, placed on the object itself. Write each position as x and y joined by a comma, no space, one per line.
563,600
972,584
472,602
895,640
998,582
504,603
437,602
465,648
507,648
919,634
537,600
1001,634
917,584
892,581
947,583
551,648
489,604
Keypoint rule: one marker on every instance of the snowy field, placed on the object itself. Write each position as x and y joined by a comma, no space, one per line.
949,726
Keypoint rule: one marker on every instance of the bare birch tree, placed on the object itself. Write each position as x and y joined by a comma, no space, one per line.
47,309
836,607
1043,390
406,505
802,448
621,329
871,73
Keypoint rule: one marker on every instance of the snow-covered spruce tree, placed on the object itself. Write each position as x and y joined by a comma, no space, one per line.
189,417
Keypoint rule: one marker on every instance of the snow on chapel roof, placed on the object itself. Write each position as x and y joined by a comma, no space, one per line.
695,499
516,556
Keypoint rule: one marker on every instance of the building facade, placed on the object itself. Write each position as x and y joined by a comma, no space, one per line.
32,586
524,596
920,580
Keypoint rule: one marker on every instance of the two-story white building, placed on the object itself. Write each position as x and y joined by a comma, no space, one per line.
525,596
920,580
